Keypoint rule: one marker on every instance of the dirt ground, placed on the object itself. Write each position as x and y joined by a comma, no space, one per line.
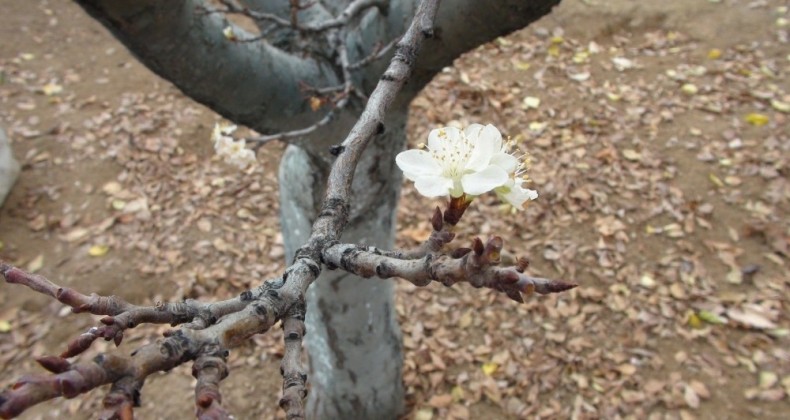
661,151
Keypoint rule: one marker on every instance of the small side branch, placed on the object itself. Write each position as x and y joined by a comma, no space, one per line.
123,315
354,8
377,54
294,374
478,266
126,373
209,369
231,6
287,135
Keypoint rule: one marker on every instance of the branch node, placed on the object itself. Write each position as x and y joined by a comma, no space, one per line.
336,149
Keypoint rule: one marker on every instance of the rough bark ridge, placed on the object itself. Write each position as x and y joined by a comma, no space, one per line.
353,338
352,334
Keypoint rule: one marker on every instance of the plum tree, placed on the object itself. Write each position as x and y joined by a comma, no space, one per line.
310,73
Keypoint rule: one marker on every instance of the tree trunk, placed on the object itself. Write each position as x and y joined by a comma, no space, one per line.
9,167
353,339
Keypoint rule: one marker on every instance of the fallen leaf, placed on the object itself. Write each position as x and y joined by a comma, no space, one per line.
36,263
695,321
458,393
750,318
51,89
74,235
768,379
632,155
424,414
622,63
711,318
757,120
441,401
98,250
689,89
691,397
530,102
780,106
489,368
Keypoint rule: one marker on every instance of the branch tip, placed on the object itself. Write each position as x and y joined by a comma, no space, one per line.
556,286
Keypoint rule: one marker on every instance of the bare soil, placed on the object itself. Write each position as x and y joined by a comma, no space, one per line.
660,149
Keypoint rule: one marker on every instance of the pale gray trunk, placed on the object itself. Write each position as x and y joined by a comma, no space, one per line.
353,338
9,167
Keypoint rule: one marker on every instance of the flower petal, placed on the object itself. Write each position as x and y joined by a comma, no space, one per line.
441,138
481,155
472,131
433,186
416,163
491,134
477,183
515,195
487,141
505,161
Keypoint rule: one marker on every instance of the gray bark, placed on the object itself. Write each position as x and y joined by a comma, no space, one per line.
352,335
9,167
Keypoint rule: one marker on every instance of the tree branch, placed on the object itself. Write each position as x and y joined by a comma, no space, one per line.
254,84
209,369
477,266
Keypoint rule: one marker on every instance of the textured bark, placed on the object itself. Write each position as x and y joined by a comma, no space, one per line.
352,336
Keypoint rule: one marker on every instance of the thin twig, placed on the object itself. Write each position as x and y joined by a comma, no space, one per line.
231,6
123,315
378,53
263,139
353,9
347,87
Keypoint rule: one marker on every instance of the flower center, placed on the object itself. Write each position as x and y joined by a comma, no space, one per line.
453,154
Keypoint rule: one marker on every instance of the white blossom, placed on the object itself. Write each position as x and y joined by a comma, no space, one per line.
229,33
234,152
512,191
514,194
455,162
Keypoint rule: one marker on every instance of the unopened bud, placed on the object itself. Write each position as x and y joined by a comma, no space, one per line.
515,295
477,246
436,219
521,264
